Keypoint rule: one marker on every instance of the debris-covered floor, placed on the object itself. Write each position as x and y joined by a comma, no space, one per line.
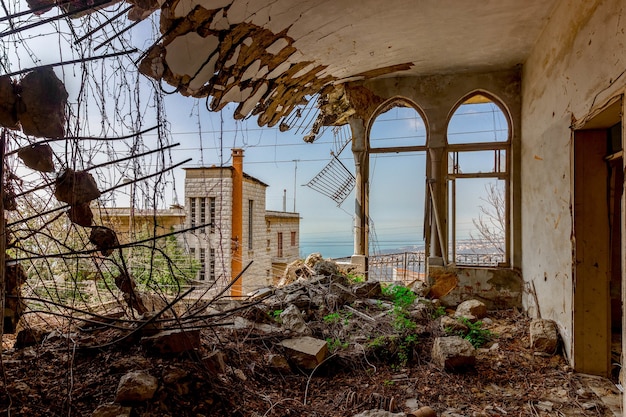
233,361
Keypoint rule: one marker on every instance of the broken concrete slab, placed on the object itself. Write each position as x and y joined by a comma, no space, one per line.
306,352
453,353
172,341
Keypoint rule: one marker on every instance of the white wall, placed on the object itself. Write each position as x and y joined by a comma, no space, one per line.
570,70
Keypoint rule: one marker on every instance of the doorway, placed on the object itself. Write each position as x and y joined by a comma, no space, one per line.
598,185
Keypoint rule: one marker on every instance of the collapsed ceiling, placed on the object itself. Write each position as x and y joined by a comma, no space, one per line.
270,57
273,57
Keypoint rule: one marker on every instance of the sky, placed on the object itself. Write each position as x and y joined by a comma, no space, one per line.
113,99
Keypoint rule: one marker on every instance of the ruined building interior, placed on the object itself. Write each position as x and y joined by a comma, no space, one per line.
87,78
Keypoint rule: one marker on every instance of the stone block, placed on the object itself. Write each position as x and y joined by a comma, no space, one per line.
453,353
136,387
306,352
472,310
544,336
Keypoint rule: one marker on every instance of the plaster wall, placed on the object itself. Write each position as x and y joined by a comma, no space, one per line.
577,64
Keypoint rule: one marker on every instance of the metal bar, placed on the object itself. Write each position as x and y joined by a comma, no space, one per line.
54,18
74,61
2,238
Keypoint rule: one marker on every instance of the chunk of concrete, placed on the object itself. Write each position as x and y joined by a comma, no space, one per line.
292,319
136,387
471,309
306,352
453,353
172,341
544,336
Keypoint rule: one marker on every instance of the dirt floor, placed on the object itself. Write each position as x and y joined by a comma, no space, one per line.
380,364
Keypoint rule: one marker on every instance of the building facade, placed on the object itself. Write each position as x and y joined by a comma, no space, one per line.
233,231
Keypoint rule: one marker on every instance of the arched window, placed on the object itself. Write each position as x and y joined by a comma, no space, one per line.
397,152
397,125
478,149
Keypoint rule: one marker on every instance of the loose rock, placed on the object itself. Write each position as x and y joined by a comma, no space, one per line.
453,353
136,387
544,336
292,319
306,352
471,309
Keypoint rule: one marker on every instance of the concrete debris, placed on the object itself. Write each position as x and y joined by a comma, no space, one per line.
172,341
292,319
453,353
326,268
278,363
312,259
472,310
41,105
76,187
105,240
81,214
37,157
8,102
136,386
544,336
293,271
112,410
306,352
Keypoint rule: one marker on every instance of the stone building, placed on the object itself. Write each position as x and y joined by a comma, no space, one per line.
227,206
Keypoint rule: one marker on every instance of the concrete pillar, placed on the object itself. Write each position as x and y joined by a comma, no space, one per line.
361,208
237,222
437,182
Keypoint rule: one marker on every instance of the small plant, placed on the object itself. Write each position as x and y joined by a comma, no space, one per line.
401,295
355,278
476,335
335,344
276,314
388,383
338,317
332,318
401,322
439,312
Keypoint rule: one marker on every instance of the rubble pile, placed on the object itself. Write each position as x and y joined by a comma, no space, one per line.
322,345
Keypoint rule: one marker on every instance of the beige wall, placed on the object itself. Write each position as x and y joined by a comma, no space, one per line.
285,223
569,72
